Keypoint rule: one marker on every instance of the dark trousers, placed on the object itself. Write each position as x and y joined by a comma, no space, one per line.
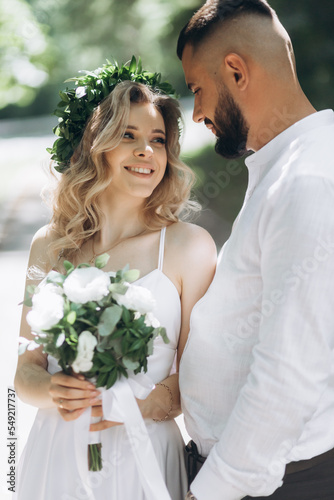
314,483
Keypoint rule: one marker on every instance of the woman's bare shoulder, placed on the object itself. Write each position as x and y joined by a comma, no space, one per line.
186,234
191,242
39,250
44,236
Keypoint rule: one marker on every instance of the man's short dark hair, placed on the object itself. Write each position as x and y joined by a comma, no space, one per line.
213,12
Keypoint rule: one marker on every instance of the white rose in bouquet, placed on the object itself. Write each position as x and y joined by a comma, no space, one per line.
47,308
86,284
86,344
136,298
151,320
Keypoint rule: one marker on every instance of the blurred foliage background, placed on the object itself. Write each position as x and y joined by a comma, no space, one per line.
44,42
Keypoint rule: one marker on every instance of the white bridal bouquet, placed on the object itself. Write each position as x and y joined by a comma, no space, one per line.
95,323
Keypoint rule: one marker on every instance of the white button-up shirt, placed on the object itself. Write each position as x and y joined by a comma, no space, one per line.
257,373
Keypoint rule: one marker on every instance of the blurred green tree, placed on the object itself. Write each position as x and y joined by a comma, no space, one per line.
84,34
310,25
57,38
25,53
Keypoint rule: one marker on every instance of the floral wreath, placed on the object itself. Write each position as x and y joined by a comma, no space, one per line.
78,104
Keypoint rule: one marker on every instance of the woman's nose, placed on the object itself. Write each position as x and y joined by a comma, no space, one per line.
144,150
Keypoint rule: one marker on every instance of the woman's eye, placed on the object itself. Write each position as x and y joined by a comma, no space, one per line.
128,135
160,140
194,92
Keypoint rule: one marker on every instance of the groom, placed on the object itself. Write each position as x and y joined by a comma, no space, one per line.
257,375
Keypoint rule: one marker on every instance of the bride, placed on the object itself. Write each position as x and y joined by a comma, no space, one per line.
122,194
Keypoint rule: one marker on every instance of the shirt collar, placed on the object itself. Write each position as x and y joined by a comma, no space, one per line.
260,162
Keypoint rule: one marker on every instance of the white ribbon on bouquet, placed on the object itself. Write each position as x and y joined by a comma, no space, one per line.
119,405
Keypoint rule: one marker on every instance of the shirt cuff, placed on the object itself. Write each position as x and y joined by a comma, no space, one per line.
210,483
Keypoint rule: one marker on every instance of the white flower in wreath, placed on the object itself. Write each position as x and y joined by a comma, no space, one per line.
47,308
136,298
86,284
86,345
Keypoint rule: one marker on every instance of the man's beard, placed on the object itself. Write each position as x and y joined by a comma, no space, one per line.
231,127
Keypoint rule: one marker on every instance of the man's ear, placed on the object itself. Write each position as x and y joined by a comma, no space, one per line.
236,72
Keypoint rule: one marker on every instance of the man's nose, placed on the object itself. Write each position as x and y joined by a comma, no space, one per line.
198,115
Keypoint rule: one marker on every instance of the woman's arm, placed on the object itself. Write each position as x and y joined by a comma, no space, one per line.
163,403
194,259
190,262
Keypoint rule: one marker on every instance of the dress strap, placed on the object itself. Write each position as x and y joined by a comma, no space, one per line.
162,248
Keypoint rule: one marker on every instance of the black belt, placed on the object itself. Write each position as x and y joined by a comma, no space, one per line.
293,467
194,461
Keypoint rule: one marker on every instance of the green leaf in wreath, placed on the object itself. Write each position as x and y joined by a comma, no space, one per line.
109,319
140,66
133,65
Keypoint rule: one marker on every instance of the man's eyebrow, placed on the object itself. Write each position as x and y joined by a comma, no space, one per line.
155,130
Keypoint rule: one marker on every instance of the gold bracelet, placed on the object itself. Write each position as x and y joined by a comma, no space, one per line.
190,496
171,404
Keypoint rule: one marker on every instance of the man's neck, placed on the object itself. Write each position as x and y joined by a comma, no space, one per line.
279,118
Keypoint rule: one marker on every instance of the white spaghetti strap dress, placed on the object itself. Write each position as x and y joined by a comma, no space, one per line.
49,469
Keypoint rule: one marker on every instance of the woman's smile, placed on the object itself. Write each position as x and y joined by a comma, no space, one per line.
144,170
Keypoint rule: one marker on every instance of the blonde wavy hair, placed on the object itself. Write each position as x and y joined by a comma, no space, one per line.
76,212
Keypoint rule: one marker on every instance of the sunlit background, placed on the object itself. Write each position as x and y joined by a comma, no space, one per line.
44,42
